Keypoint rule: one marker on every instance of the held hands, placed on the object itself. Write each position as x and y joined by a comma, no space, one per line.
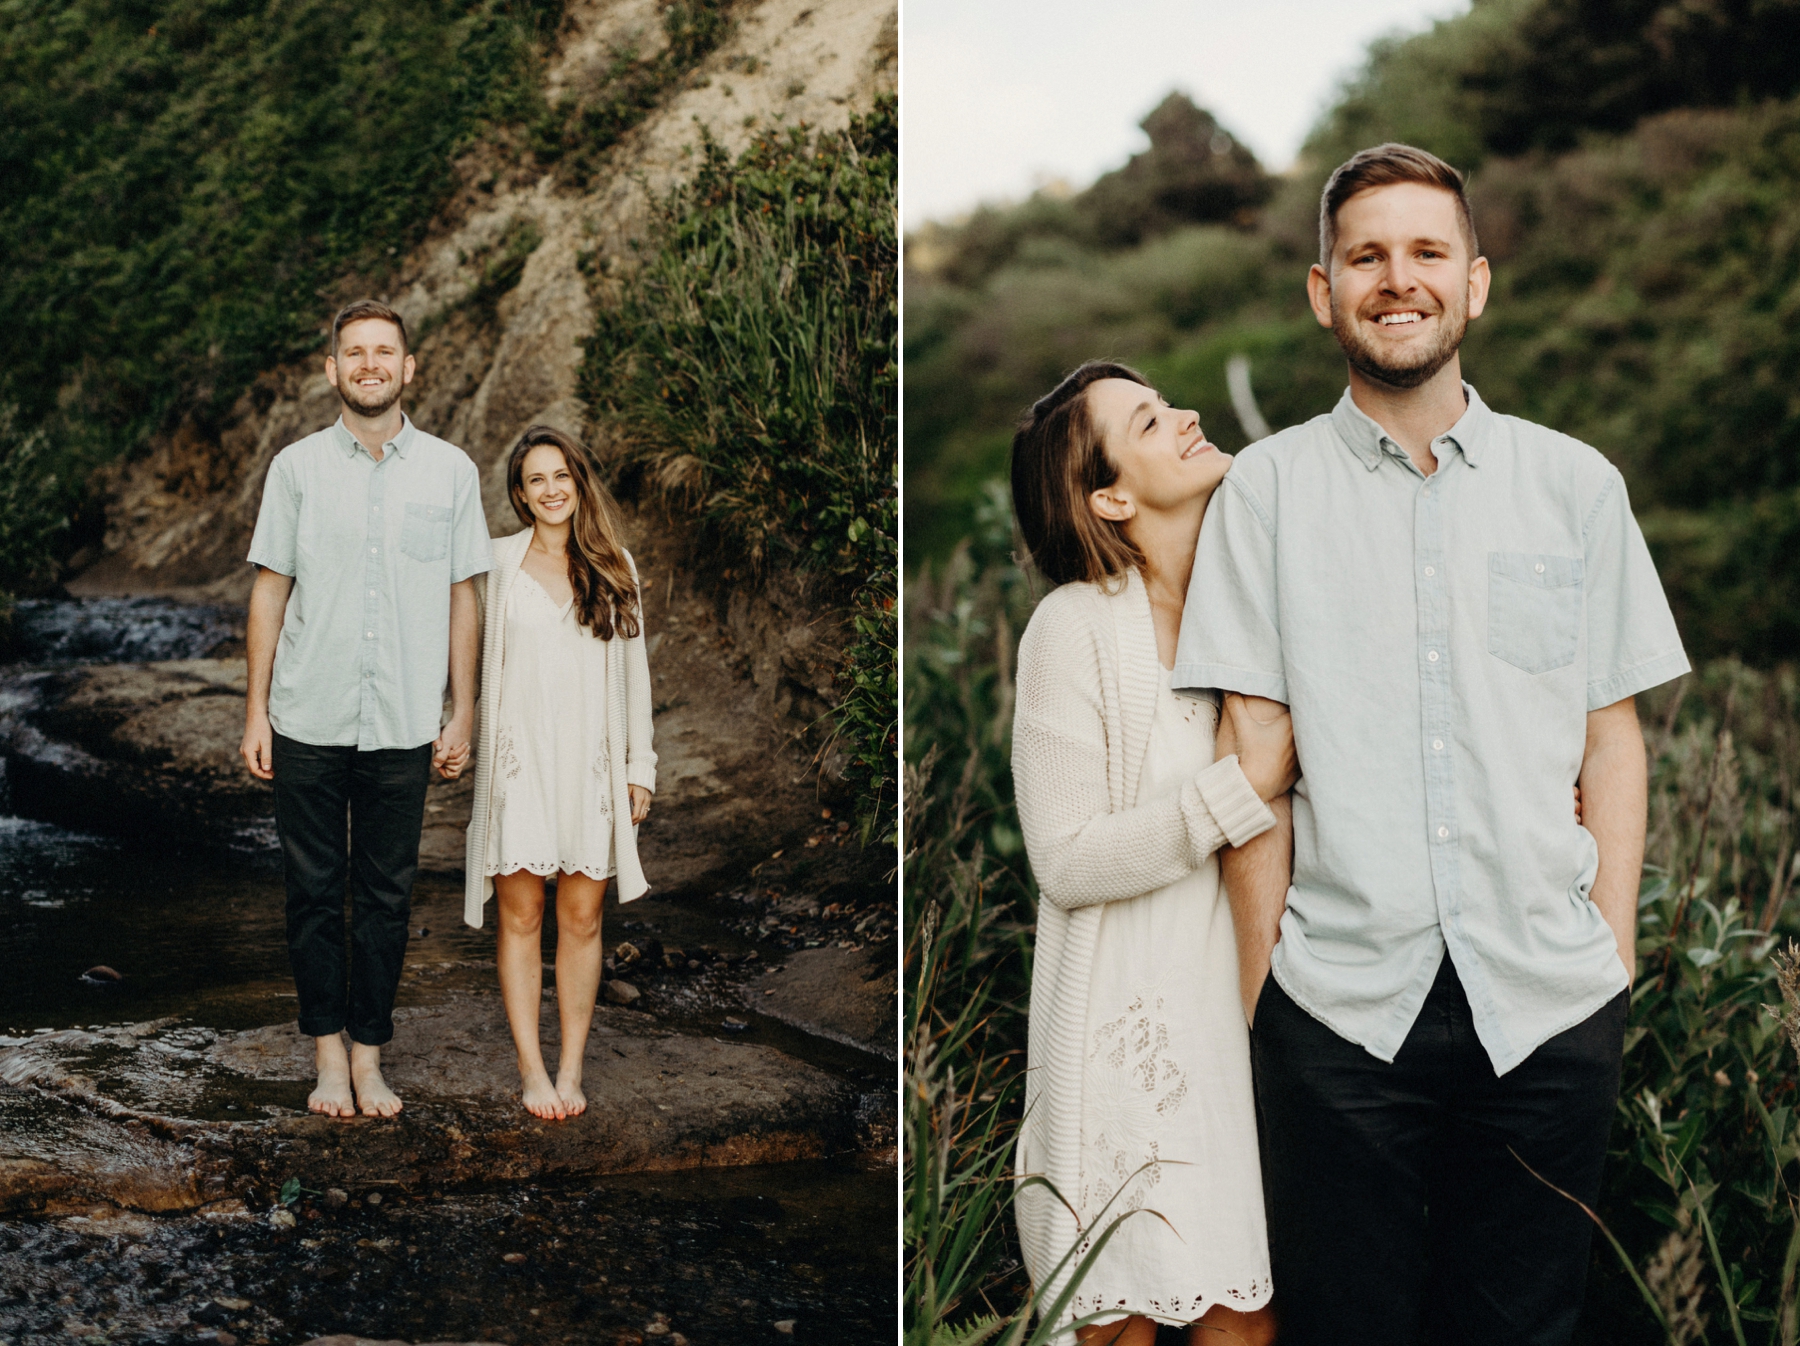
640,802
450,750
1261,733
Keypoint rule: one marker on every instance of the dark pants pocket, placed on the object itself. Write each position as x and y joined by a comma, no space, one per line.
382,794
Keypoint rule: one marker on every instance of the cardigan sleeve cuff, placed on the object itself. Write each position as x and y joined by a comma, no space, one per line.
641,774
1233,801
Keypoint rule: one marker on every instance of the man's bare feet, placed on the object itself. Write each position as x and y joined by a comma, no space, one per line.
568,1088
332,1095
540,1096
372,1092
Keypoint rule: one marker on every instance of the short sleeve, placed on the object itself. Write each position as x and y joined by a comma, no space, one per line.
273,544
1632,641
1230,639
471,549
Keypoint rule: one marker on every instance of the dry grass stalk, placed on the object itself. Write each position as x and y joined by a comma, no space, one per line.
1673,1275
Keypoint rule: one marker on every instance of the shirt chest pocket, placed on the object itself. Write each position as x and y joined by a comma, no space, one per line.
425,535
1534,609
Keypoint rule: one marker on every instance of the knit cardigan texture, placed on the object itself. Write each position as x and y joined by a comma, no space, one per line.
628,732
1088,681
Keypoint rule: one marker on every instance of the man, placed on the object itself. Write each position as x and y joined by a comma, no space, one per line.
367,544
1458,608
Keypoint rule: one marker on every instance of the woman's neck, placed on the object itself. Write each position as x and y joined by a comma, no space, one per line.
1167,539
553,538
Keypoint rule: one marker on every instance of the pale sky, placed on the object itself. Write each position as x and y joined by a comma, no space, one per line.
1000,96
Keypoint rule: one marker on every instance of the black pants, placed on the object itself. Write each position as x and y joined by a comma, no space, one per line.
384,795
1397,1210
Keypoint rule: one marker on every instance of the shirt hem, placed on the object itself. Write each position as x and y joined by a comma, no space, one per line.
1205,677
1303,1002
1638,678
1581,1015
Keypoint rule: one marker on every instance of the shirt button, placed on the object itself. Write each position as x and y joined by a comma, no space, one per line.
1430,570
1438,744
372,551
1539,567
1443,832
371,593
369,635
1431,655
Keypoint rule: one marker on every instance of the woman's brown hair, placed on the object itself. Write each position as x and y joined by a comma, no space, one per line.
606,597
1057,462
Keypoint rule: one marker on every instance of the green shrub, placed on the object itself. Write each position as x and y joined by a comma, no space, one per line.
184,182
749,365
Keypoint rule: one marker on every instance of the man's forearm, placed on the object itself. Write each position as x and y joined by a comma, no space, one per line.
1256,877
465,649
1615,783
262,630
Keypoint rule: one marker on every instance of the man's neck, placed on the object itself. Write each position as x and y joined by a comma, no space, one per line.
372,432
1414,417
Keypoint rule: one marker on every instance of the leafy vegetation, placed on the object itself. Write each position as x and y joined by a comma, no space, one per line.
183,183
751,358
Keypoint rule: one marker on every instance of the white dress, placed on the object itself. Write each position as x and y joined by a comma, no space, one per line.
1168,1119
553,801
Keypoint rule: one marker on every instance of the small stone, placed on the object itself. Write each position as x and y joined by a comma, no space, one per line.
224,1338
335,1197
514,1258
676,1339
785,1326
621,992
627,953
101,975
735,1026
235,1305
656,1329
282,1218
374,1198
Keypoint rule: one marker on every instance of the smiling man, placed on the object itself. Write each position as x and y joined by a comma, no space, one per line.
367,544
1458,607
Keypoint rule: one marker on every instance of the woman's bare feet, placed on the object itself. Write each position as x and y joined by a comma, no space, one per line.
540,1096
372,1092
568,1088
332,1095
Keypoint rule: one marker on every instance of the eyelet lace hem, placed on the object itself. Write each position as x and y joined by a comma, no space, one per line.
545,868
1184,1308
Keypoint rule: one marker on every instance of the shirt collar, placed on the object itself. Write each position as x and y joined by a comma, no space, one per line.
400,443
1368,441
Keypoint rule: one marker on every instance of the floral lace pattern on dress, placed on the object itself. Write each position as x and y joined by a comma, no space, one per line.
1134,1086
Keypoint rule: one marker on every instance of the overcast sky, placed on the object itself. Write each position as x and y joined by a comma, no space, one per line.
1000,96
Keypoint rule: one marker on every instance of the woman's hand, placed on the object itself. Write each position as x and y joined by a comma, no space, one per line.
1261,732
640,802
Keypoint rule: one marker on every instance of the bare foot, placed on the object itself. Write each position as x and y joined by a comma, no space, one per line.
372,1092
568,1088
540,1097
332,1096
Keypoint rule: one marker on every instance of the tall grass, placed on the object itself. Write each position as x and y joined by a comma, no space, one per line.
1700,1190
749,365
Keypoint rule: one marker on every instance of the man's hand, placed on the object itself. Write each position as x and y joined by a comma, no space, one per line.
640,802
1261,732
258,747
450,749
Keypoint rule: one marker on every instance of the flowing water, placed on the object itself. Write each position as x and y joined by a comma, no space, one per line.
96,931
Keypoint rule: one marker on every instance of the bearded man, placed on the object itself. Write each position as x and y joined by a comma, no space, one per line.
1458,607
367,544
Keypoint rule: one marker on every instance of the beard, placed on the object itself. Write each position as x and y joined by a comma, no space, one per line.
1412,368
370,405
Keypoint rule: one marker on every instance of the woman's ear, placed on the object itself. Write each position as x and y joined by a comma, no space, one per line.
1112,507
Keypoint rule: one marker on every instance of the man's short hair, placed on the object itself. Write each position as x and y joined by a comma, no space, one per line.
358,309
1383,166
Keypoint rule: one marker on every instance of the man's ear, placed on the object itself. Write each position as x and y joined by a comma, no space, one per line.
406,370
1318,294
1112,507
331,369
1480,279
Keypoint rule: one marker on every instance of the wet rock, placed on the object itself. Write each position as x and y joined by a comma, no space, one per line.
620,992
785,1326
657,1101
847,995
102,976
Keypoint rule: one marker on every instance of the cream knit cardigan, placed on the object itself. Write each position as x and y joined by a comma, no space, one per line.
1089,678
628,732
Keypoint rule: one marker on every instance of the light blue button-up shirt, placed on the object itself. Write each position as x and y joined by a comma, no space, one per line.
373,548
1440,641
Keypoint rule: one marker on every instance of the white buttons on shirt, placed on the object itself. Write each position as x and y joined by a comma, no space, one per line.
370,635
1443,831
1438,744
1430,570
1431,655
1540,567
371,551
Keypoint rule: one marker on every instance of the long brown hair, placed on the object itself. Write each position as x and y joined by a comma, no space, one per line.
1057,462
606,597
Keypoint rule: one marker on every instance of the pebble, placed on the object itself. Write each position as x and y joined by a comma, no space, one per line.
336,1197
735,1026
785,1326
101,975
235,1305
514,1258
282,1218
373,1198
621,992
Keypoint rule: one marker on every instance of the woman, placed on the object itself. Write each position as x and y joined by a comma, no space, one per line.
1138,1096
564,768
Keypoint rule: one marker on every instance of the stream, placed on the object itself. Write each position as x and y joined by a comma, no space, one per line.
778,1253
